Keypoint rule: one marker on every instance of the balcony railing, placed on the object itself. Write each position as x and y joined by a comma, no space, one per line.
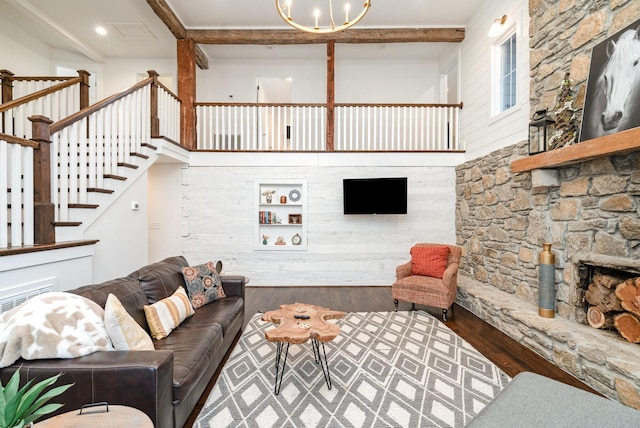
304,127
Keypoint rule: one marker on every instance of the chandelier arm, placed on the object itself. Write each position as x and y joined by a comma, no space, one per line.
290,21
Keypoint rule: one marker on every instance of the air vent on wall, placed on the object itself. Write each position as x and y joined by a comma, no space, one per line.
15,296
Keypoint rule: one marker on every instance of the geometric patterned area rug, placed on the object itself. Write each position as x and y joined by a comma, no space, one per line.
388,369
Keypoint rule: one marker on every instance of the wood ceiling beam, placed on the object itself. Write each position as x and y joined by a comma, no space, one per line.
295,37
173,23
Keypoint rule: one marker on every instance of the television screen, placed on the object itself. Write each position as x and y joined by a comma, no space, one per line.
375,195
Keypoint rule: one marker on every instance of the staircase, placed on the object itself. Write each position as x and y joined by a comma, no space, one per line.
66,174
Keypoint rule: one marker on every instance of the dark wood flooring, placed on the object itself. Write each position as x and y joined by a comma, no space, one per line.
503,351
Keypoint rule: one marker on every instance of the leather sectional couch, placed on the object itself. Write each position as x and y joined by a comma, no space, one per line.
165,383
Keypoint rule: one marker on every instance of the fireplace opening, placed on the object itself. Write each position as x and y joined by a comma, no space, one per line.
609,298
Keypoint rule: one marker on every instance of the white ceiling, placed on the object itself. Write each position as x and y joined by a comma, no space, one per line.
134,31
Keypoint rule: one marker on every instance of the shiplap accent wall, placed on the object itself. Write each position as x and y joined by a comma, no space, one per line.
480,133
218,215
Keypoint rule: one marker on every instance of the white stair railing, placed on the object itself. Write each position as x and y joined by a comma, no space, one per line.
16,191
419,127
96,144
55,98
303,127
261,127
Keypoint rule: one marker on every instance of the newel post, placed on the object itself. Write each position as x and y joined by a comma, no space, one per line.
84,88
43,209
155,120
7,85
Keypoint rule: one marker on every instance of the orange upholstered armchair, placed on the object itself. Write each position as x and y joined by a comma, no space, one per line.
430,278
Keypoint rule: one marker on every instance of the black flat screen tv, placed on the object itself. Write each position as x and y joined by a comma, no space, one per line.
375,195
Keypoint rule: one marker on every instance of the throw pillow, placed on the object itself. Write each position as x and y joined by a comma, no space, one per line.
124,331
203,284
429,261
168,313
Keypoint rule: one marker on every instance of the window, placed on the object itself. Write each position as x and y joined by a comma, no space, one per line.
504,73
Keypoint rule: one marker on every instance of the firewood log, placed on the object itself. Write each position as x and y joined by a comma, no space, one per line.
598,319
608,281
602,297
629,294
628,326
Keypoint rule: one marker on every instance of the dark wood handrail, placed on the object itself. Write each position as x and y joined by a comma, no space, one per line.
169,91
459,105
12,139
41,93
68,121
34,78
262,104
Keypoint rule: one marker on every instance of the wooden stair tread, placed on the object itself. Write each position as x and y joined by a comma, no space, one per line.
67,223
97,190
127,165
115,177
150,146
139,155
89,206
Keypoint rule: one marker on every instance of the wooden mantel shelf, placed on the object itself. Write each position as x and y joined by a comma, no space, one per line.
614,144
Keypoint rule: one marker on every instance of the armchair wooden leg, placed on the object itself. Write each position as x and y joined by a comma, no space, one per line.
413,306
395,302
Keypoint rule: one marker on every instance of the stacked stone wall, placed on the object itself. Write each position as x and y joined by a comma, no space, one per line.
502,219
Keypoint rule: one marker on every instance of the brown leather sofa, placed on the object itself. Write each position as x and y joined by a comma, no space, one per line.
165,383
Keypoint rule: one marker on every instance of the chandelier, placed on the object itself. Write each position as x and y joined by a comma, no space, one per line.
317,17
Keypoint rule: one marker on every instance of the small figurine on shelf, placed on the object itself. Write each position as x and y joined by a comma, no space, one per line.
264,239
268,194
280,241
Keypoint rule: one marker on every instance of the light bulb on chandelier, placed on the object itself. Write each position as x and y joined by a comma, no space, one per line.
284,10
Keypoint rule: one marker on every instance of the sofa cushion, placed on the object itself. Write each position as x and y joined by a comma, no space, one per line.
196,347
123,330
203,284
429,261
161,279
222,311
128,292
167,314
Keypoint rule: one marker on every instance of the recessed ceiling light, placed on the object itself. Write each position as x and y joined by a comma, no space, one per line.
101,30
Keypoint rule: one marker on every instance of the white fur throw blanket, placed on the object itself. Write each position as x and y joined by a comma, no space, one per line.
52,325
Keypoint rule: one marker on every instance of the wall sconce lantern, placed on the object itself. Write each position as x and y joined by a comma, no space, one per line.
541,128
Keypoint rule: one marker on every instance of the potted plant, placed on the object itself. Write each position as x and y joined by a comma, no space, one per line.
19,407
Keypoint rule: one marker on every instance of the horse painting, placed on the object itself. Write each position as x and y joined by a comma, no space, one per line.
612,102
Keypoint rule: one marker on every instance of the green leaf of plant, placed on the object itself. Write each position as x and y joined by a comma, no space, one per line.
53,392
44,410
32,394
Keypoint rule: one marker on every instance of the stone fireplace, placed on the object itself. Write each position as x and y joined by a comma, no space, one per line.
589,212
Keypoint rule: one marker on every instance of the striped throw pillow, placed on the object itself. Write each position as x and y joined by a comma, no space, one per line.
167,314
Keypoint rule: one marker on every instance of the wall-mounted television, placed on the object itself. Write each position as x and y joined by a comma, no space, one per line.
375,195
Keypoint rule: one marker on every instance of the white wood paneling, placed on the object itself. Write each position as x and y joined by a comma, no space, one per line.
480,133
218,219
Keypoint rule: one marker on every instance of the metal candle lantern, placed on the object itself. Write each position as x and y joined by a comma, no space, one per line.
541,129
547,283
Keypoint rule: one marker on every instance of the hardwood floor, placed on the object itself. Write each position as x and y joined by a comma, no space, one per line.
503,351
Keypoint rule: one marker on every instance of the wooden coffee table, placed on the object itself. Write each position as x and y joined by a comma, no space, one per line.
294,328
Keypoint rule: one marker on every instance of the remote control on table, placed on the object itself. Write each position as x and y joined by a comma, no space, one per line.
301,317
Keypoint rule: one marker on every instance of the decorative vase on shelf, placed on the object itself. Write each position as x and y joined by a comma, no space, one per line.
547,283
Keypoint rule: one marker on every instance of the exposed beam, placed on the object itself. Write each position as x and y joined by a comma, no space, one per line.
173,23
202,61
166,15
295,37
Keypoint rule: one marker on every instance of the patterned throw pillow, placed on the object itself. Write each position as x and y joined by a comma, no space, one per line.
203,284
125,333
429,261
167,314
